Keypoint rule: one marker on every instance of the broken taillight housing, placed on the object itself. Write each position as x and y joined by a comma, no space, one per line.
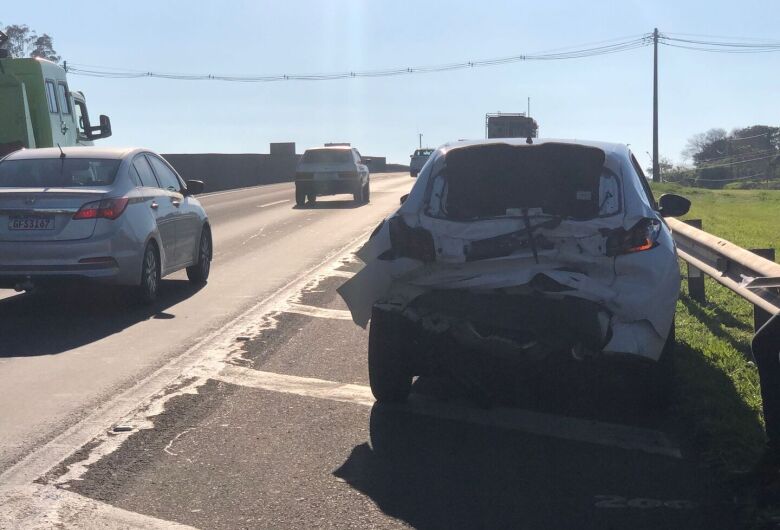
642,236
408,242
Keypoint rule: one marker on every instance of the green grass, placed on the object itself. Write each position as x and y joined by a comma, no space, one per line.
718,400
745,217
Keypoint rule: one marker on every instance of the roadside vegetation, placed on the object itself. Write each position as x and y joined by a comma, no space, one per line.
717,400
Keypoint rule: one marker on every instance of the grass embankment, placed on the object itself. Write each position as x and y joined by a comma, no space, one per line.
718,400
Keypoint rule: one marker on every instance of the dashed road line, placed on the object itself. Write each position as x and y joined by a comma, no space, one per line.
537,423
272,203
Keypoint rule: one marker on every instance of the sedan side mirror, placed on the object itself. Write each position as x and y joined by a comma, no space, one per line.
671,205
195,187
404,197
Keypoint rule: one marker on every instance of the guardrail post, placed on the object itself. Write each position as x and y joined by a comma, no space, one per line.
760,317
695,276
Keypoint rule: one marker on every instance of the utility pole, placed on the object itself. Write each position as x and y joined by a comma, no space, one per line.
420,135
529,108
656,164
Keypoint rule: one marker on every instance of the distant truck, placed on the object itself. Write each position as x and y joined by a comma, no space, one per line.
38,109
510,125
418,160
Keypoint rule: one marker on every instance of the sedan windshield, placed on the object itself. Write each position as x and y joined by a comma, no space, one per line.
58,172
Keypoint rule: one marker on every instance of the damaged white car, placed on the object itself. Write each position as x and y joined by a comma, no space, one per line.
555,248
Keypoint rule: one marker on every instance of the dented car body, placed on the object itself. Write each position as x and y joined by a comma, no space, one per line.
524,250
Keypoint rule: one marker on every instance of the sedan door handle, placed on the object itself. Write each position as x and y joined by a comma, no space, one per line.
154,205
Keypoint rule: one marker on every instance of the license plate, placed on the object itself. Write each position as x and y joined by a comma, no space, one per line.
31,222
326,176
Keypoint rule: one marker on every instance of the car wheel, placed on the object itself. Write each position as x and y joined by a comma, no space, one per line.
150,275
199,273
300,196
358,195
660,377
367,192
389,372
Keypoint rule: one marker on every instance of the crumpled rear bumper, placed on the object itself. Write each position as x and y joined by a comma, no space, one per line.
624,306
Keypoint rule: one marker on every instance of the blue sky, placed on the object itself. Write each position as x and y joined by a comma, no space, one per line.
604,98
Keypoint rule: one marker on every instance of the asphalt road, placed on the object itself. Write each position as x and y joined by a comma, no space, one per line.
245,405
60,357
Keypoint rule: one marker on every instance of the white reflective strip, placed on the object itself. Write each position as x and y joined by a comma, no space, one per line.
563,427
319,312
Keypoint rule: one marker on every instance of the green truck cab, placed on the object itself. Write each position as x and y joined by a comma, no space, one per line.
38,109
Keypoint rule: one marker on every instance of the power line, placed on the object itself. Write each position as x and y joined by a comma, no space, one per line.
738,162
612,46
757,175
733,45
737,155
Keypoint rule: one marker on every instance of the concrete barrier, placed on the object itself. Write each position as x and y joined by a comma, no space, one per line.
222,171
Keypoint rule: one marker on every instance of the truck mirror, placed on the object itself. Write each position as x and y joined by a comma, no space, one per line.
101,131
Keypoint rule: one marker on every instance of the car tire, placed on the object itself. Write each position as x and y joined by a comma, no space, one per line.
367,192
149,285
389,370
198,274
300,196
358,195
660,380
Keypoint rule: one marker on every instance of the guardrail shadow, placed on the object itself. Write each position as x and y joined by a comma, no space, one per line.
50,323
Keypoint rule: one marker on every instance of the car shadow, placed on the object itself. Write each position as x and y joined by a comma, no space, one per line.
49,323
433,472
330,205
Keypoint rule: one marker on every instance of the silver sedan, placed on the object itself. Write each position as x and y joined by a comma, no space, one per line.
119,216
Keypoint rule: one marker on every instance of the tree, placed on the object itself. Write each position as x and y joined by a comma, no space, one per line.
743,156
43,48
671,172
24,42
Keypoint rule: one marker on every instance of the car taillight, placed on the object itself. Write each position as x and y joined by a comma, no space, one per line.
642,236
408,242
103,209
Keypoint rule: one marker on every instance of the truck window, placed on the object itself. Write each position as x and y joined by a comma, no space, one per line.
81,119
164,174
145,172
51,96
62,89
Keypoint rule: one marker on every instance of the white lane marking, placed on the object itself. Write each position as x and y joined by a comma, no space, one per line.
272,203
37,507
319,312
246,188
537,423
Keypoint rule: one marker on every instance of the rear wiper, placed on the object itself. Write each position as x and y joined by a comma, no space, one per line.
505,244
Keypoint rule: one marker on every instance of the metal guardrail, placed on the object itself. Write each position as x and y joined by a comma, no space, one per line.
751,274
